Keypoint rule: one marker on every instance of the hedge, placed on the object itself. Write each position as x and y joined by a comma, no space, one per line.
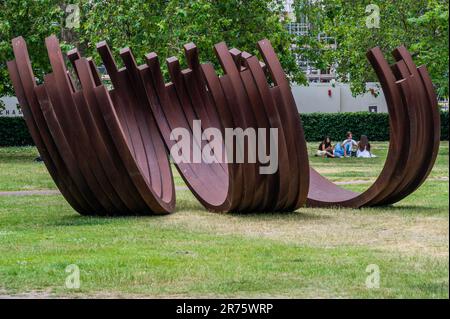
13,131
335,125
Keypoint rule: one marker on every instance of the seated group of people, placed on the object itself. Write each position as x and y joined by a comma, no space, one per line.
346,148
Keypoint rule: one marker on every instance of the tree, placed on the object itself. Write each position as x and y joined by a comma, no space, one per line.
420,25
33,20
165,26
431,47
162,26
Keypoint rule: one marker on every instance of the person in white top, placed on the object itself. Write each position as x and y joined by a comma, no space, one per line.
348,144
364,148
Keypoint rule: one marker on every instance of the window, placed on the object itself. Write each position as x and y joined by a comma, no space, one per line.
373,109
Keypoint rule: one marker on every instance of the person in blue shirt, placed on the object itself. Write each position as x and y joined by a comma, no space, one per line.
338,151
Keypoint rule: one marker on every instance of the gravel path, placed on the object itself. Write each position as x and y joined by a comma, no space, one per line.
30,193
55,192
180,188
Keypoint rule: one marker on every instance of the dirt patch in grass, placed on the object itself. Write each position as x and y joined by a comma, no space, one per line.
35,294
410,235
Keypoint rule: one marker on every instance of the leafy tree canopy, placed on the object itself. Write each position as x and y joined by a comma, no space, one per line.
162,26
420,25
34,20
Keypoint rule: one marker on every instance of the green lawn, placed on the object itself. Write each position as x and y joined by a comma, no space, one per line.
310,253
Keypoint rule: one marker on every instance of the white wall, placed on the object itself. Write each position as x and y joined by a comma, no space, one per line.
362,102
315,98
309,99
10,109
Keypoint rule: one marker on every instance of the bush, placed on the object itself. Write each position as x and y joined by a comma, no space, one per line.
444,126
335,125
14,132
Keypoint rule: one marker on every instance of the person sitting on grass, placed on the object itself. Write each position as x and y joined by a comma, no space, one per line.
339,151
348,144
364,148
325,148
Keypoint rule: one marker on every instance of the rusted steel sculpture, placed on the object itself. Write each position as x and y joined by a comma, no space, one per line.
107,149
104,154
414,137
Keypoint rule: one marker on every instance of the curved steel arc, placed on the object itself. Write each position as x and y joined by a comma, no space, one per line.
107,150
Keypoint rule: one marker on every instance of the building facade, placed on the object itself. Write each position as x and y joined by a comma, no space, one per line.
10,107
324,94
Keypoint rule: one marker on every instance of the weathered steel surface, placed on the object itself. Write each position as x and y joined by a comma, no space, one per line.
414,140
103,151
107,150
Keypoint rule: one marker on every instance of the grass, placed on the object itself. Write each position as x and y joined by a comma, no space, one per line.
342,169
19,171
311,253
